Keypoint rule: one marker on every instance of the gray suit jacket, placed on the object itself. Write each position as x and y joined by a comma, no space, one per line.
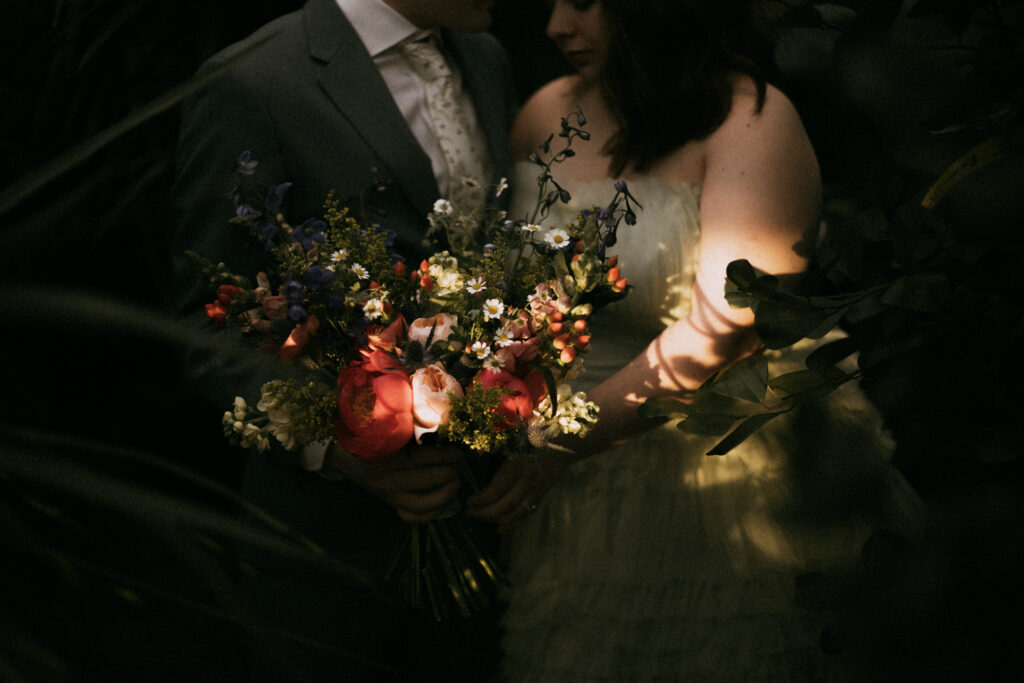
311,107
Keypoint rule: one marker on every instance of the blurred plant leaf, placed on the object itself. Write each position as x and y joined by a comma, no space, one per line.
707,424
919,292
801,382
781,325
746,380
742,432
831,353
665,406
32,181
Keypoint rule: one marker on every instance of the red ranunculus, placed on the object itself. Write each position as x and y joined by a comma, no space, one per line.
517,403
225,293
387,338
217,312
298,339
375,418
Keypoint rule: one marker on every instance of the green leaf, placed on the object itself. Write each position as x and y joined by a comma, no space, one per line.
742,274
919,292
747,380
707,424
828,323
549,382
782,325
799,382
828,355
665,406
737,297
868,307
744,430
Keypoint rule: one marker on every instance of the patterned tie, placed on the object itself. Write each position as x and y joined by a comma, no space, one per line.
466,157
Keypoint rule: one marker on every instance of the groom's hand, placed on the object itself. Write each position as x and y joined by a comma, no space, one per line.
516,488
418,482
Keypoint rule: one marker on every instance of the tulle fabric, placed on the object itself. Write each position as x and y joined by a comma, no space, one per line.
654,561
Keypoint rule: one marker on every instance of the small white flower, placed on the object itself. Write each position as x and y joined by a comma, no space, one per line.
480,349
531,227
503,337
339,256
443,207
373,309
361,272
502,186
557,237
493,308
475,285
494,363
241,408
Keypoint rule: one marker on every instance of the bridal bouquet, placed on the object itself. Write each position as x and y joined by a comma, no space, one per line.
474,345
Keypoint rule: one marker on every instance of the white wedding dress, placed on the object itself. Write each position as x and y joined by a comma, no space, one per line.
654,561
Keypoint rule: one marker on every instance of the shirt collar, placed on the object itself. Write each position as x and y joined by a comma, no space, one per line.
378,25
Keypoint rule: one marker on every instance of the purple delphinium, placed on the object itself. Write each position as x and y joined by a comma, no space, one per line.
310,231
318,276
275,195
246,165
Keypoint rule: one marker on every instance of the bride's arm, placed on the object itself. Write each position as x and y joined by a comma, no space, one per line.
760,201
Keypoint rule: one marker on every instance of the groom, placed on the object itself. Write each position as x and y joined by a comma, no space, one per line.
329,98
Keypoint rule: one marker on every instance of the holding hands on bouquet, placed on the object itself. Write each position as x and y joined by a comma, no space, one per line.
419,482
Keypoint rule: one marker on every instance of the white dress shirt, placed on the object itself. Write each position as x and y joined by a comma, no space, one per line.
381,29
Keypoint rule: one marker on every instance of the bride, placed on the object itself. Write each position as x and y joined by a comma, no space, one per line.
638,556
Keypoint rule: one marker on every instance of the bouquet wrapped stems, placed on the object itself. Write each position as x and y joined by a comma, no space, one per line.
445,567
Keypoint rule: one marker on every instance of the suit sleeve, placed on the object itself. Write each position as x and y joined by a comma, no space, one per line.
220,122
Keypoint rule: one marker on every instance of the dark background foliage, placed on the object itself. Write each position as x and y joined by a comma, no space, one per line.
115,487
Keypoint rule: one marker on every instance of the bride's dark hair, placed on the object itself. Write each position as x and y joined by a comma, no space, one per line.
669,73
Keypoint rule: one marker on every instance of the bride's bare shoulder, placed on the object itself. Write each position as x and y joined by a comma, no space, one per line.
540,115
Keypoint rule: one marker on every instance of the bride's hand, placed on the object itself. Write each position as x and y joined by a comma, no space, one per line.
516,488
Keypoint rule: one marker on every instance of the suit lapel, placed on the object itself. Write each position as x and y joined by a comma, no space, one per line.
353,83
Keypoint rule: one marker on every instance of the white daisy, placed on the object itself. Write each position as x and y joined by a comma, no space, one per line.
339,256
475,285
557,237
480,349
531,227
494,363
443,207
373,309
503,337
493,308
361,272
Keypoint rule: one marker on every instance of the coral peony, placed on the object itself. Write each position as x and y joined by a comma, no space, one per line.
375,418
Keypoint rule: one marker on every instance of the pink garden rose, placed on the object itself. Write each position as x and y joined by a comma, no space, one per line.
442,324
431,399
